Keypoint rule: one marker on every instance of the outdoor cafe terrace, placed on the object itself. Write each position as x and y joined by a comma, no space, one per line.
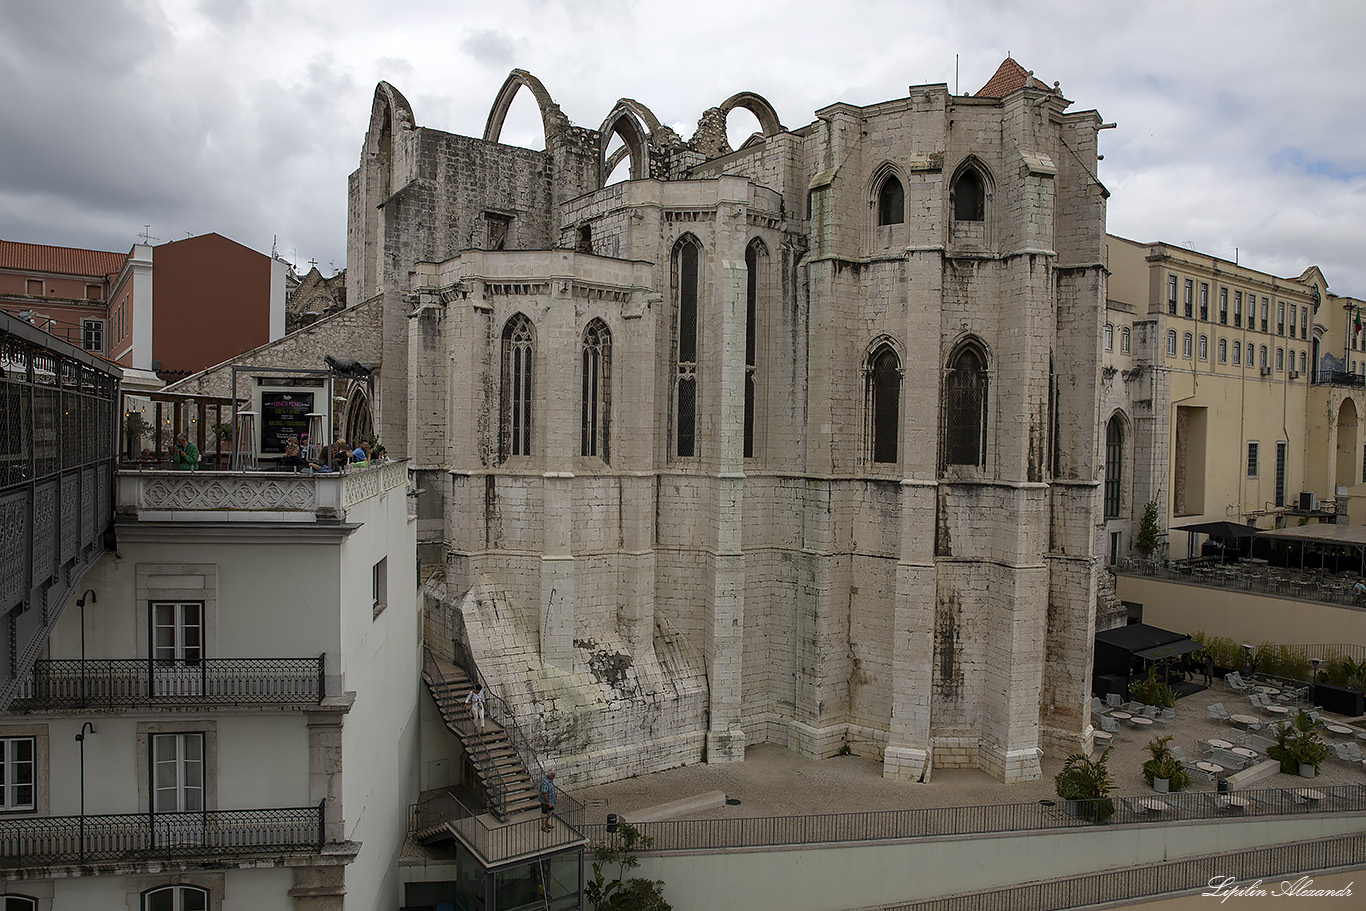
1311,563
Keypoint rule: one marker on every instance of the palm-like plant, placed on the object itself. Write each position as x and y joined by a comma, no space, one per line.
1088,782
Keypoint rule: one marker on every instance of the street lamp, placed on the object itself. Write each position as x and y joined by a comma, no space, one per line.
80,738
80,602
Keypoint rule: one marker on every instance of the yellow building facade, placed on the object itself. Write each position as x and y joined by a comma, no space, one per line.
1228,394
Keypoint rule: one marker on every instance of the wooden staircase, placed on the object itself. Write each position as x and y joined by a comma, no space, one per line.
495,761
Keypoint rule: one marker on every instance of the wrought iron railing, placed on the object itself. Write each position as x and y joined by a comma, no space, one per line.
43,840
1202,874
1310,586
495,786
499,842
444,634
94,683
889,825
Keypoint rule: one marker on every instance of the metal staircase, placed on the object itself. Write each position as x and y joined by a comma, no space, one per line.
503,775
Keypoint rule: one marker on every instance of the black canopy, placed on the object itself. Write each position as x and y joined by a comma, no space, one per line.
1116,648
1226,530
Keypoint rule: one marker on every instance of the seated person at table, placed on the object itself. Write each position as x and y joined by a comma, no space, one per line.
379,455
341,453
292,460
361,454
184,454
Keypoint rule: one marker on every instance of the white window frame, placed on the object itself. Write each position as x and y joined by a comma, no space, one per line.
1171,343
175,752
1238,309
1223,351
1280,360
1125,340
1266,315
1262,359
1187,345
1171,294
1223,306
10,763
1109,337
1204,347
95,328
1237,354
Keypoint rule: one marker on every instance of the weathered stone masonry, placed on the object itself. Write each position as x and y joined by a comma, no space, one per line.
777,569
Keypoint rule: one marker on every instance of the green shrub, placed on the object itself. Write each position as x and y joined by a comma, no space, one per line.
1165,765
1267,658
1088,781
1299,744
1149,532
1152,691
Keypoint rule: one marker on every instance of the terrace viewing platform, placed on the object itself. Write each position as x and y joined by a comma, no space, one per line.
159,495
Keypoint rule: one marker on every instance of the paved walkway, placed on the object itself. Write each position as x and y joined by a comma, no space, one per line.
773,781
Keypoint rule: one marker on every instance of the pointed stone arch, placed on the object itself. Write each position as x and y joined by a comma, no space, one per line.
710,138
624,122
390,112
552,118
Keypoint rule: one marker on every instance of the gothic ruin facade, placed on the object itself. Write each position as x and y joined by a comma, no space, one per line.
792,443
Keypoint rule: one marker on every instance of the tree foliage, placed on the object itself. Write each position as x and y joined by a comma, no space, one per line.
620,894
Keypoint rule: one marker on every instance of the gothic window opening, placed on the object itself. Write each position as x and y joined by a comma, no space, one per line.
884,403
755,257
518,361
497,230
687,271
1114,462
965,406
597,390
970,197
891,202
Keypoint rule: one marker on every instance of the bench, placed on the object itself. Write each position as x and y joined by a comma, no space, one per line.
1249,776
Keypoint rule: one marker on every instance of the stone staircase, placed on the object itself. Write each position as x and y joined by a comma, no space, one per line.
495,760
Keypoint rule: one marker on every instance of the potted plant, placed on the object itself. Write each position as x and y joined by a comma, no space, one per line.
1298,748
1084,784
1163,771
134,428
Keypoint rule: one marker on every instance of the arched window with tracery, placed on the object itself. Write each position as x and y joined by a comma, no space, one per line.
891,201
596,393
1114,466
687,283
519,350
970,196
176,898
965,407
884,403
756,261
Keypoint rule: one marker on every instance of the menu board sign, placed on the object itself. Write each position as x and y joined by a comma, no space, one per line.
284,415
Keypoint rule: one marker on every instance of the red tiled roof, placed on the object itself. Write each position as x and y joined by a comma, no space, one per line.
60,260
1009,77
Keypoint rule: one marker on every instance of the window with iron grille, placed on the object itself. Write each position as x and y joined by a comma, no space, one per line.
687,271
1190,298
1304,323
1223,306
1114,466
1280,317
518,362
1280,473
1266,313
596,390
884,403
1238,309
1204,301
1171,294
965,404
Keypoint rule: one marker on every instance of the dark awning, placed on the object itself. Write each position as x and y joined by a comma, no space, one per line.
1144,641
1225,530
1169,650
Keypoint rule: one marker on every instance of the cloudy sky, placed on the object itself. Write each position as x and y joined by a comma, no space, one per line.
1240,124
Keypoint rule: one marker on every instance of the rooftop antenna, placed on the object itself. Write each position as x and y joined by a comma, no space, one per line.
146,235
274,242
955,74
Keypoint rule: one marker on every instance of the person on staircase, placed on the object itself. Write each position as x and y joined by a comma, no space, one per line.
475,700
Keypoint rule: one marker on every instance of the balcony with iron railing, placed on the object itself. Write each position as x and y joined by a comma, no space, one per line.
209,836
105,684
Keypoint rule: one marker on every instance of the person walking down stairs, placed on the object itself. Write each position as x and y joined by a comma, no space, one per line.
475,700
